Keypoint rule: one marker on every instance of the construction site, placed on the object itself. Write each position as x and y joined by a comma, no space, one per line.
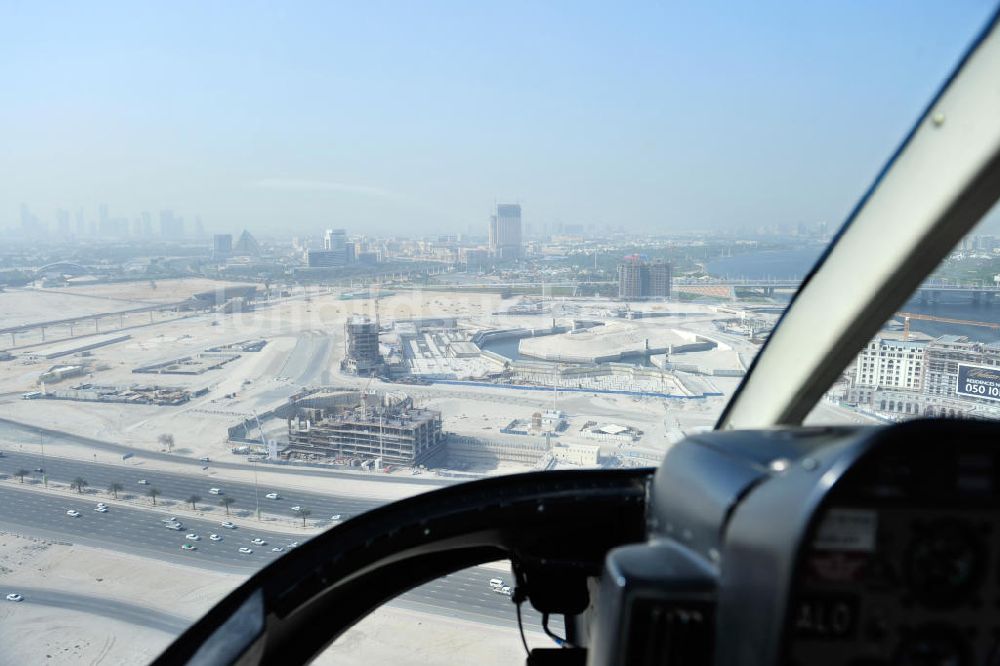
382,429
361,354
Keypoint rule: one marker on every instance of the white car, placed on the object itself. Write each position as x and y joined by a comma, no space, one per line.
193,537
214,491
177,527
505,590
228,525
277,549
296,508
100,504
335,516
496,583
73,513
273,496
143,482
294,544
245,550
101,509
257,541
14,596
188,546
215,537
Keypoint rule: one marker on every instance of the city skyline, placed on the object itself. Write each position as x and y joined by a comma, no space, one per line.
296,121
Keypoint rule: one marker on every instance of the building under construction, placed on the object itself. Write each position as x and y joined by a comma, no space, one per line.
378,428
361,356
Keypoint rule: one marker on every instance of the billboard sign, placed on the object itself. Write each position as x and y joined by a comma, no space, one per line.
978,382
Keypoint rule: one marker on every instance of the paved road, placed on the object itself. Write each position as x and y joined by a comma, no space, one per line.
142,616
464,594
178,487
17,434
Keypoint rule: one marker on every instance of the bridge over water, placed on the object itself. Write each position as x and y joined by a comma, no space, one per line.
928,292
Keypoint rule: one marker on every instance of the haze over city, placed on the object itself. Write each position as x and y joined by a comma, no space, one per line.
392,314
417,119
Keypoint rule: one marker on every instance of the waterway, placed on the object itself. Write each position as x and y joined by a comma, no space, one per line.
788,264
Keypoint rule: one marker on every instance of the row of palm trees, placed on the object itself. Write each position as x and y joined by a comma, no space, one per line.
79,483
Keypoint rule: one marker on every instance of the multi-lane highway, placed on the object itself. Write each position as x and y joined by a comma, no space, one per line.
179,487
16,436
464,594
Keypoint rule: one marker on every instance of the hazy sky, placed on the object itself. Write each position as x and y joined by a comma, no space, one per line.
414,117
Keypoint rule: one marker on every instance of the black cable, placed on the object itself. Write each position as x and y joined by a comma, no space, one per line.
561,642
520,628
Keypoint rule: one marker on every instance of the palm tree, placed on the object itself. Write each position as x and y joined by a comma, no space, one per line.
194,499
21,473
78,484
226,501
303,514
153,493
114,488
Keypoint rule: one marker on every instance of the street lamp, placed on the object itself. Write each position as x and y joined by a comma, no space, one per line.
256,494
41,445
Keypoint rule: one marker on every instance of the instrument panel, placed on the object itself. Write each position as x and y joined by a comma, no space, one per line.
903,564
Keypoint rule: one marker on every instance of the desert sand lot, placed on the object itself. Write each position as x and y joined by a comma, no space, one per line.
171,594
20,306
305,343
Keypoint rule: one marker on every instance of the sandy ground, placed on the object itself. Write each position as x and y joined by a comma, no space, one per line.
32,633
404,638
20,306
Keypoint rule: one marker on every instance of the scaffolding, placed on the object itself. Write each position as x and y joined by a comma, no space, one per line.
398,434
361,356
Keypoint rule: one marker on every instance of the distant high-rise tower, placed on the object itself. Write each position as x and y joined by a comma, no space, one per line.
334,239
171,226
336,251
638,279
505,232
222,246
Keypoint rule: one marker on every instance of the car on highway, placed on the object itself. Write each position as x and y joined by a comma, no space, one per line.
101,509
205,459
14,596
505,590
228,525
257,541
245,550
39,470
192,537
272,496
496,583
177,527
143,482
335,516
73,513
214,491
188,546
296,508
277,549
294,544
214,537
